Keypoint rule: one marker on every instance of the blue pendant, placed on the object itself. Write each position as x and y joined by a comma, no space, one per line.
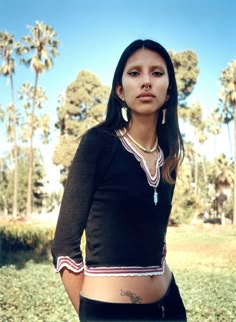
155,197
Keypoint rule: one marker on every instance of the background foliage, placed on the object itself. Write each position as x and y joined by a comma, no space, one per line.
16,237
7,182
83,106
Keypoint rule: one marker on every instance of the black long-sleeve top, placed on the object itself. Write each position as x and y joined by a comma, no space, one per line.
109,194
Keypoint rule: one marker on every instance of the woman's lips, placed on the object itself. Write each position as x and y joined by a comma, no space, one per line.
145,94
146,97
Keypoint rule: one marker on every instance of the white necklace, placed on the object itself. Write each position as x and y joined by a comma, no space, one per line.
140,158
140,146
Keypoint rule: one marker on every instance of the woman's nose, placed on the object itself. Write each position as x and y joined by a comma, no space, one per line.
146,82
146,85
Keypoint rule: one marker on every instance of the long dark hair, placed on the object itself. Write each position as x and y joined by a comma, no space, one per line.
169,136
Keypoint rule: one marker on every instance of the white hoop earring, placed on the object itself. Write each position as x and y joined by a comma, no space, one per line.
163,117
124,113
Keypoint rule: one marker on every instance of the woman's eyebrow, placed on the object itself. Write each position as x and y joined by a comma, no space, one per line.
137,66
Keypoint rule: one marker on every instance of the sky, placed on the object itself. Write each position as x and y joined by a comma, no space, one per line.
94,33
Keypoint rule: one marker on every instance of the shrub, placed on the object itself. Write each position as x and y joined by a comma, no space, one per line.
22,236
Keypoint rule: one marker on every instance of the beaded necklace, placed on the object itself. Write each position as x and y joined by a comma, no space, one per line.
140,146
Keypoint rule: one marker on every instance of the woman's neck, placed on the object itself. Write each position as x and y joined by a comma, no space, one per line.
143,130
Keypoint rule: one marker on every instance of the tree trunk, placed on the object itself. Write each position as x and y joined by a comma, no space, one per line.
30,174
15,193
230,141
31,153
222,218
234,208
196,174
204,170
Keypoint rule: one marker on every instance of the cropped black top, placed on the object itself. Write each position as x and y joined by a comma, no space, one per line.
110,194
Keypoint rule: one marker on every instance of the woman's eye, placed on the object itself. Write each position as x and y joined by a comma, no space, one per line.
158,73
133,74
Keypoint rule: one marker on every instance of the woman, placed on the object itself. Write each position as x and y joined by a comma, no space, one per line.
119,191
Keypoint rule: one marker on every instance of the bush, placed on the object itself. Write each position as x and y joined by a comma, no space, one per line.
23,236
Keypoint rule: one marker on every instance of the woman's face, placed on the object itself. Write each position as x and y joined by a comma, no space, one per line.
145,82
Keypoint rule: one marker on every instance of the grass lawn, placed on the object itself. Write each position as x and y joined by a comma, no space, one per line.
204,263
202,259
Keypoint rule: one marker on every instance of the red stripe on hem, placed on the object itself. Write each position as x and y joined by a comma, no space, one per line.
150,270
66,261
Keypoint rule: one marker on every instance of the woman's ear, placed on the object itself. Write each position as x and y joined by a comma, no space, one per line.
120,92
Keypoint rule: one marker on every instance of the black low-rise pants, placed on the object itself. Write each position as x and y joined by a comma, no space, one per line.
169,308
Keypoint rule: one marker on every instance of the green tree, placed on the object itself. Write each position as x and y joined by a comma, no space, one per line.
186,69
3,185
227,99
221,176
39,49
213,124
38,179
81,107
193,115
201,134
187,208
31,122
7,69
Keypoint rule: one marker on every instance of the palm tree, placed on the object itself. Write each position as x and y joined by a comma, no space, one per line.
194,115
39,49
227,107
213,125
7,69
222,177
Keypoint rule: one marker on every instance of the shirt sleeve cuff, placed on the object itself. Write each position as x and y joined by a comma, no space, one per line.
66,261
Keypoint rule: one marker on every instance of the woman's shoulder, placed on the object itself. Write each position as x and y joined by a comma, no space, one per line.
99,134
98,137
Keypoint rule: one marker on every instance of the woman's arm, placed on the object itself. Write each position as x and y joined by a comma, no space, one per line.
73,285
76,202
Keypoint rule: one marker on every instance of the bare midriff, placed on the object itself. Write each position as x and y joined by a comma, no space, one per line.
127,289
